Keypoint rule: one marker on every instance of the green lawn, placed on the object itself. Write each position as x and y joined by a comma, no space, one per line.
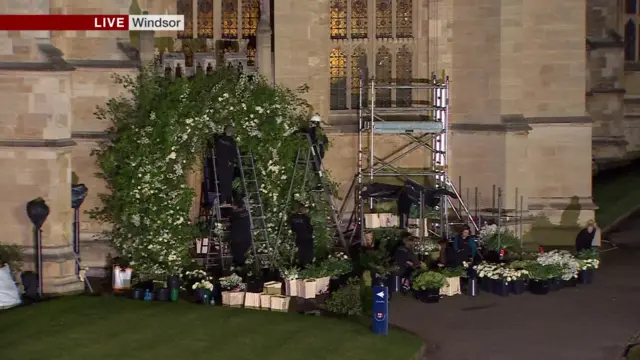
616,197
98,328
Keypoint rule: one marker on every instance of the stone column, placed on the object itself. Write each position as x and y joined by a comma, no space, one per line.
263,40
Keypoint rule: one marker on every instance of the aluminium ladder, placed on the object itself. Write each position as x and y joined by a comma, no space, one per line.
218,249
307,159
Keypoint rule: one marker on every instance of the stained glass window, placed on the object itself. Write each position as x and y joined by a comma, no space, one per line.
230,19
338,11
358,70
404,75
383,19
338,75
404,19
383,76
630,41
359,23
185,7
250,17
205,19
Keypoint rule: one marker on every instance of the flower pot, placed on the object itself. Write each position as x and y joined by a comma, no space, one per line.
203,296
255,284
280,303
429,296
233,298
569,283
122,278
539,287
252,300
265,302
388,220
291,287
473,288
585,277
500,287
273,288
554,285
322,285
162,294
518,287
451,287
137,294
307,289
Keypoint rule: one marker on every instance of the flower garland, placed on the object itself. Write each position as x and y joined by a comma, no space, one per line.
159,133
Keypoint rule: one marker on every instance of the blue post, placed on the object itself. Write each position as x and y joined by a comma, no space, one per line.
380,323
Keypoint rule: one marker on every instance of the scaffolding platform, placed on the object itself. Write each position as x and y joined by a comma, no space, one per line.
376,117
413,127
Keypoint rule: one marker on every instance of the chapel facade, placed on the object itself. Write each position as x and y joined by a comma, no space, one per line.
541,92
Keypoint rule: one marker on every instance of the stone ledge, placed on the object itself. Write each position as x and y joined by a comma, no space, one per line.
561,203
612,140
616,91
90,135
47,143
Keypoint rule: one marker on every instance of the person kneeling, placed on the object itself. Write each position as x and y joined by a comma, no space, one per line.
406,260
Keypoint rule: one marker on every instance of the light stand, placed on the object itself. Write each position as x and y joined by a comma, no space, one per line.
78,194
37,211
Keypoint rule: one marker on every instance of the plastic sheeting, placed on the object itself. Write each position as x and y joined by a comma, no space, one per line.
9,293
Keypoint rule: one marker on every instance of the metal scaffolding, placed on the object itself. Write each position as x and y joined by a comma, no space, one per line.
423,119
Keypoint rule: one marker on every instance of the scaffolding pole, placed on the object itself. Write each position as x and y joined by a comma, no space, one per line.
427,131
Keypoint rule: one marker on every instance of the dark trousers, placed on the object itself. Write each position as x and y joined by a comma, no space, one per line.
239,251
224,169
404,221
305,251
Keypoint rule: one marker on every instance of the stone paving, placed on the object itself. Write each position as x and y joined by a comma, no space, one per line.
589,322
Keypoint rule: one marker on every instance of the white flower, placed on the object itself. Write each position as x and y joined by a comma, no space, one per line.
172,155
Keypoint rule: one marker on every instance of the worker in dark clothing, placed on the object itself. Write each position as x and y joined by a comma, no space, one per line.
465,246
406,260
404,208
301,226
240,239
226,153
319,141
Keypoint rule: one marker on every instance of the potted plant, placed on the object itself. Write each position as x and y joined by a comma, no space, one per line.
488,274
427,249
337,266
520,275
587,269
232,290
452,284
539,278
291,279
588,262
427,286
203,289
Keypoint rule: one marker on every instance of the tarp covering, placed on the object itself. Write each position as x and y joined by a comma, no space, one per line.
9,293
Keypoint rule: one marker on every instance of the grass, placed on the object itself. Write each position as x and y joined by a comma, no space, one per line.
616,193
100,328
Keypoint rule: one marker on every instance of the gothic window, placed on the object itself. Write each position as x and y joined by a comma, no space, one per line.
358,70
383,76
338,10
630,38
404,74
359,24
383,19
338,74
230,19
185,7
404,19
250,17
205,19
631,7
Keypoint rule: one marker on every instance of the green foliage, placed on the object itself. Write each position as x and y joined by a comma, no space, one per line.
591,254
453,272
377,262
387,239
504,239
428,280
521,264
349,299
11,255
159,130
544,272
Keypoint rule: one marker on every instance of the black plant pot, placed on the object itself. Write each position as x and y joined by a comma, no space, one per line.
429,296
539,287
569,283
137,294
162,294
500,287
585,277
555,285
485,284
518,287
202,296
254,284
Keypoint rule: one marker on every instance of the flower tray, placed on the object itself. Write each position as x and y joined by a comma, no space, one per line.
307,289
273,288
291,287
252,300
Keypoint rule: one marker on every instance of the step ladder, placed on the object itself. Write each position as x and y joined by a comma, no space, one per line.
306,158
253,204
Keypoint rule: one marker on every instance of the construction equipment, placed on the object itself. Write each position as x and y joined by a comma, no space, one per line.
427,129
314,180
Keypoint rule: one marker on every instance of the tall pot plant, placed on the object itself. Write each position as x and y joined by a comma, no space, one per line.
426,286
